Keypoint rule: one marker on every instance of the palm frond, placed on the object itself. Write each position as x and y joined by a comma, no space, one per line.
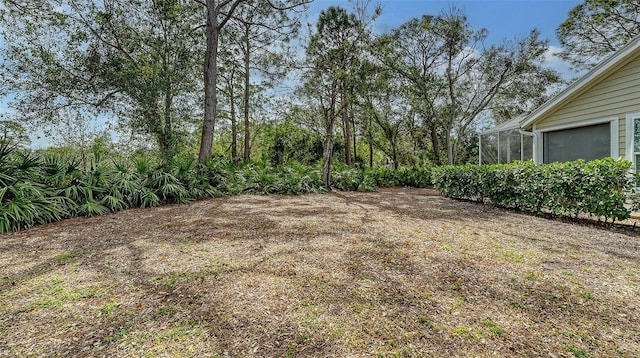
92,208
149,199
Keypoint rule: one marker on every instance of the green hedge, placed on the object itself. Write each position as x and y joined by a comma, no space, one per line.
600,188
413,177
347,178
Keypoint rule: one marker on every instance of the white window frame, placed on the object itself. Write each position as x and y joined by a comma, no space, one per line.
630,119
613,127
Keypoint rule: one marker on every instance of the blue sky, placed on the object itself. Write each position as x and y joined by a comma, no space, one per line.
504,19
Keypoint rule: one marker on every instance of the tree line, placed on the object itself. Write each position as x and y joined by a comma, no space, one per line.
203,78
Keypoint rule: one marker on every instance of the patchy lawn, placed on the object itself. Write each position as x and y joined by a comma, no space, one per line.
400,272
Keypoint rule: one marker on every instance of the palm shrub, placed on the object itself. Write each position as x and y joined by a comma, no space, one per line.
84,189
292,178
126,188
143,167
258,178
352,179
301,179
413,177
222,177
37,190
92,185
24,199
190,175
167,186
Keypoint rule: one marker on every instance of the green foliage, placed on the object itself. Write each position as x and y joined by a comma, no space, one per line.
262,178
447,89
13,132
38,189
355,179
331,56
352,179
133,60
24,199
600,188
412,177
286,142
596,28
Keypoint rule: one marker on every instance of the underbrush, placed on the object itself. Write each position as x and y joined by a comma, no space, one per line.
38,189
356,179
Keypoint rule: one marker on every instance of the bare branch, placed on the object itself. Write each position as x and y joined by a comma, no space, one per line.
229,13
282,8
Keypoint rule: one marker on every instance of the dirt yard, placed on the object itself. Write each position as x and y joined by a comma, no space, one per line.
397,273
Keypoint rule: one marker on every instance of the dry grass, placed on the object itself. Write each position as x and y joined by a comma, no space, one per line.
400,272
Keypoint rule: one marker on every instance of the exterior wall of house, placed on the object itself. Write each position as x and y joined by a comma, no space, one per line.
613,97
622,138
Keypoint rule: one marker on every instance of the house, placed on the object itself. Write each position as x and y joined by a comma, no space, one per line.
506,142
595,117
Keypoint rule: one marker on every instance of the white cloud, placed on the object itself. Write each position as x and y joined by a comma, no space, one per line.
552,60
551,54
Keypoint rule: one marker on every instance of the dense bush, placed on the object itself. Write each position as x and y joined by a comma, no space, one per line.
37,189
26,199
347,178
600,188
287,142
413,177
41,189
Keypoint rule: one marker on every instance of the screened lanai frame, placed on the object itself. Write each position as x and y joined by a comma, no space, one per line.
506,143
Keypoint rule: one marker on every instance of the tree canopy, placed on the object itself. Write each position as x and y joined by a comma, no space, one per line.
228,78
597,28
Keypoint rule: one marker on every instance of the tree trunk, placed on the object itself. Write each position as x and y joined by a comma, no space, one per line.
234,124
450,157
169,146
327,155
370,144
394,153
210,82
353,127
347,135
247,93
435,145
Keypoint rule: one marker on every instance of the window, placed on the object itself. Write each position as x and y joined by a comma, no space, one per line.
505,147
503,139
489,152
515,146
636,143
527,147
588,143
633,141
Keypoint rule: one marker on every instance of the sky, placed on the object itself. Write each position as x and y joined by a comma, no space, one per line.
504,19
